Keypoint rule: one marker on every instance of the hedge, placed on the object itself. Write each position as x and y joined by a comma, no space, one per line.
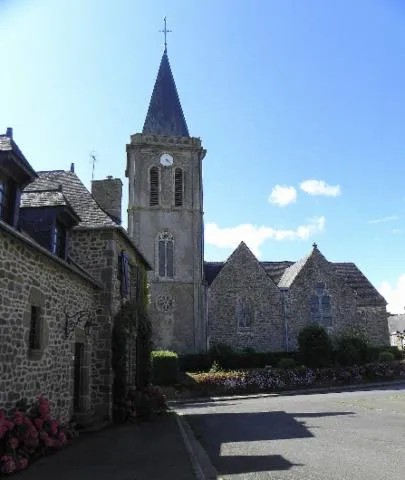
165,367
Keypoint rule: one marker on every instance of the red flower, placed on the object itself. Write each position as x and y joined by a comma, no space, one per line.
54,427
48,442
39,422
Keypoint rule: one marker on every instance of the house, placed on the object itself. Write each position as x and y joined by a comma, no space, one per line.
66,268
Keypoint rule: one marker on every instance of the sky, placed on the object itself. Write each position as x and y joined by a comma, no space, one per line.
299,103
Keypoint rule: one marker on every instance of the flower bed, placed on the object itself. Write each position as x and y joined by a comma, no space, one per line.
27,433
274,379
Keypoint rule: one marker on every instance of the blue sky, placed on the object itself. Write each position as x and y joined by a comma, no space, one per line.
300,105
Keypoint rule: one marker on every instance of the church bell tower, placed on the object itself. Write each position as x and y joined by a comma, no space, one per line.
165,217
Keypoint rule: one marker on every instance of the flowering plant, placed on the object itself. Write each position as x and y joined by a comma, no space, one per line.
29,432
275,379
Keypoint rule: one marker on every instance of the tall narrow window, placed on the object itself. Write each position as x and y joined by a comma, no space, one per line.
178,187
154,186
244,313
165,255
35,329
59,240
320,307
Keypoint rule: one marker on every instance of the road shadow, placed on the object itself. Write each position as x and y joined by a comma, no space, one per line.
216,430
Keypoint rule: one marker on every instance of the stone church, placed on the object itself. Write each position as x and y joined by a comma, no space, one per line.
242,302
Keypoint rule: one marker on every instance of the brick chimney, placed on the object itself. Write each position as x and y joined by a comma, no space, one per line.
108,194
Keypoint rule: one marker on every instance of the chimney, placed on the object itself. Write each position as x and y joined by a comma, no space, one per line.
72,167
9,132
108,194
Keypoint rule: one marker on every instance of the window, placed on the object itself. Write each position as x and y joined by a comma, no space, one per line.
123,273
244,313
178,187
165,255
35,329
320,307
59,240
6,204
154,186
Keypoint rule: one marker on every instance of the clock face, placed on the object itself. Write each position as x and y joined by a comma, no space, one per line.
166,160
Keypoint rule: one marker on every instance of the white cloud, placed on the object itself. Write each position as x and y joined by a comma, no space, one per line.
254,236
389,218
394,294
319,187
282,195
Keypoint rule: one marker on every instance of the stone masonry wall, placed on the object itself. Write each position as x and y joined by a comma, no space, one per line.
343,302
243,276
28,276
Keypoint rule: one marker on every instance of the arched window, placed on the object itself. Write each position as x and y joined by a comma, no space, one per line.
320,306
165,255
154,186
244,313
178,187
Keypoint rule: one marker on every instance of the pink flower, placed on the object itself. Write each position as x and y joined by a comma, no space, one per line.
3,430
18,420
13,443
48,442
22,463
62,438
8,467
39,422
54,427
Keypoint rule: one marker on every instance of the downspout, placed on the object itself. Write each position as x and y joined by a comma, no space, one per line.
284,292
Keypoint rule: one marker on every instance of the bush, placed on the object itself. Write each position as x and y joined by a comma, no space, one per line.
223,354
315,346
28,432
374,352
165,367
386,357
200,362
351,351
286,363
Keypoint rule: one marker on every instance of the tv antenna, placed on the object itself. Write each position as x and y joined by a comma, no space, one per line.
93,160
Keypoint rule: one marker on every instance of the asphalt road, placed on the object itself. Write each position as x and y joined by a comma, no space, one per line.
352,435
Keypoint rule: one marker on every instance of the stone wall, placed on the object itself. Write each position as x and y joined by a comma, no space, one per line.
243,276
29,276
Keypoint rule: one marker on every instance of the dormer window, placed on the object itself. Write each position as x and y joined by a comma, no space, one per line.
58,246
7,200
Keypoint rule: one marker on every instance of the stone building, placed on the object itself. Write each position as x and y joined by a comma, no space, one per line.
66,268
241,302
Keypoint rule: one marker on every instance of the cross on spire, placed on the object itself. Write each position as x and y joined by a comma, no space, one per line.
165,31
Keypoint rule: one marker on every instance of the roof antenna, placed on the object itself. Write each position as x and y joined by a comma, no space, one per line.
93,159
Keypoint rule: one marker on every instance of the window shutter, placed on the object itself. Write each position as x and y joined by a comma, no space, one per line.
178,187
154,186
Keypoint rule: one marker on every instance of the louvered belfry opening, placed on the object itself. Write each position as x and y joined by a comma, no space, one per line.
178,187
154,186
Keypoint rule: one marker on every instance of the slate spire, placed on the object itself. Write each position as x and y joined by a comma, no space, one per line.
165,115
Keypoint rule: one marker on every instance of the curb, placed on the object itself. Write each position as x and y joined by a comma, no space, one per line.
200,462
303,391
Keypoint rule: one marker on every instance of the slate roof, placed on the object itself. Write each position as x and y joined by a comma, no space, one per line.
396,323
90,213
7,144
165,115
43,198
283,274
80,199
368,295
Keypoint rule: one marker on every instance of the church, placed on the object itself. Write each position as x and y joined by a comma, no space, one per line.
242,302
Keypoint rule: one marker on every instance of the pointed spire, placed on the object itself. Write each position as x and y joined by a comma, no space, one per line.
165,115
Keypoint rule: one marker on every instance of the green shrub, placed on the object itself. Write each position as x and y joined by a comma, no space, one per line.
286,363
351,351
374,352
215,367
223,354
165,367
315,346
386,356
200,362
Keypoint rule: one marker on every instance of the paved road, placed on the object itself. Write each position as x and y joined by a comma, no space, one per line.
336,436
